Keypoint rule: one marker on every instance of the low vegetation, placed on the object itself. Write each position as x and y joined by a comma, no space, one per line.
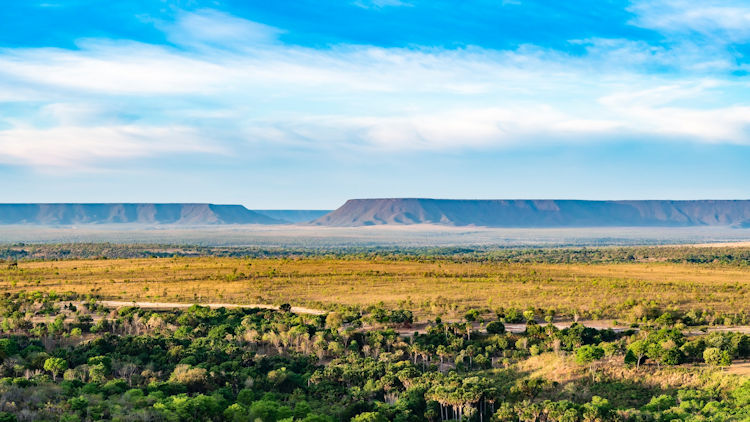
464,335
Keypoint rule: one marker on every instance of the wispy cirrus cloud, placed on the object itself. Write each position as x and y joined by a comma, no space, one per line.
84,148
228,81
723,21
199,29
378,4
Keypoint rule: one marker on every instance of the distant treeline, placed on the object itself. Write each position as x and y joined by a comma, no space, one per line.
673,254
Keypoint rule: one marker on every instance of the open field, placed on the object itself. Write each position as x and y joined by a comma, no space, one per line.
440,287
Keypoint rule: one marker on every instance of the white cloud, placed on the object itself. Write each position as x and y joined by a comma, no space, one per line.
459,128
723,125
496,127
109,68
211,28
88,148
232,79
722,20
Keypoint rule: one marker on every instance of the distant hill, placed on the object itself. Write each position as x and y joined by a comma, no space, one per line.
185,214
294,216
540,213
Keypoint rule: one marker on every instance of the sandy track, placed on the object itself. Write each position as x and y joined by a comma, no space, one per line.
176,305
419,327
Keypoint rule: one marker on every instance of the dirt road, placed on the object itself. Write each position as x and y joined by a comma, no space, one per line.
176,305
418,327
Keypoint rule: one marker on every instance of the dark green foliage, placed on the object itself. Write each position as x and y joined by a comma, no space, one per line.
630,358
8,417
495,327
201,364
587,354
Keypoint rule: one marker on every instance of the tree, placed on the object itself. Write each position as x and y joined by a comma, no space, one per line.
58,325
191,377
127,371
98,372
716,357
56,366
529,315
596,410
638,348
587,355
335,348
237,413
269,411
334,320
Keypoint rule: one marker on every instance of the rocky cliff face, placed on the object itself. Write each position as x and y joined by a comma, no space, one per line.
540,213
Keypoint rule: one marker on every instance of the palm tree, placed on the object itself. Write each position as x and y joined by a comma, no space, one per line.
442,351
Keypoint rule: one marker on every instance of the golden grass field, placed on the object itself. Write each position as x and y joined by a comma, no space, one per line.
430,288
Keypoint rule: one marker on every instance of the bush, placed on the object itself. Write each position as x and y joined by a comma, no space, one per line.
269,411
742,394
369,417
114,387
471,315
513,316
496,327
660,403
630,358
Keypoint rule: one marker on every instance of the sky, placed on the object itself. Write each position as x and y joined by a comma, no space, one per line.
304,104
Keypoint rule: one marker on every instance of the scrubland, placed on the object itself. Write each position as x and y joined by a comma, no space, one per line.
429,287
403,335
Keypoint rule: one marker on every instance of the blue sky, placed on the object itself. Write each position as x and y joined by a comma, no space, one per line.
305,104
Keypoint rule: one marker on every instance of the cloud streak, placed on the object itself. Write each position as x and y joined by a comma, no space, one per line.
86,148
724,21
227,82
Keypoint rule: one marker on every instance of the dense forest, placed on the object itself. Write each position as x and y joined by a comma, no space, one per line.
66,357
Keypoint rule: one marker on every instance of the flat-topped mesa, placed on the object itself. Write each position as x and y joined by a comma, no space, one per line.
540,213
133,213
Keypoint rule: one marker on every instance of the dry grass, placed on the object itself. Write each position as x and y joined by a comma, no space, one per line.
431,287
621,385
564,370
